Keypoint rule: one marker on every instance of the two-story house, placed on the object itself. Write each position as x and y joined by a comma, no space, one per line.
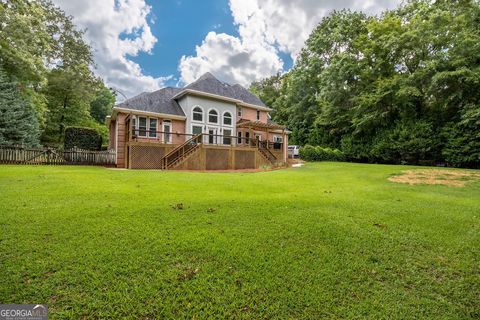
207,125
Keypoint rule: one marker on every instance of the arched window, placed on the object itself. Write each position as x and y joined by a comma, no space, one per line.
213,116
227,119
197,114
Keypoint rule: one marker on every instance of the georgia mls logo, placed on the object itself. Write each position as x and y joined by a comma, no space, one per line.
23,312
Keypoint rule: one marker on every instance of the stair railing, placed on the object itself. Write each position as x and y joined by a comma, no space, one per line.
181,151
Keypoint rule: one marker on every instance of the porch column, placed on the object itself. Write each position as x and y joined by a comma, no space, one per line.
266,131
250,132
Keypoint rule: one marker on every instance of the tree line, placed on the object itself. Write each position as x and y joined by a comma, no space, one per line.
401,87
47,82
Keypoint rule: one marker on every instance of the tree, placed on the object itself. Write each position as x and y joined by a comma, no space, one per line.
18,122
46,55
36,36
399,87
69,93
267,89
102,106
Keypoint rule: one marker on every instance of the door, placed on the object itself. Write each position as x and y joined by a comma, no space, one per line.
167,132
212,135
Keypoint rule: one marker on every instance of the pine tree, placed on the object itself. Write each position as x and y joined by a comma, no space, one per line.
18,121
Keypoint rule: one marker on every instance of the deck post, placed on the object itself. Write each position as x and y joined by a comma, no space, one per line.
266,130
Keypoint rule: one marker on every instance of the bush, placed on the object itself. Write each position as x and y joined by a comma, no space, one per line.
406,143
354,149
462,147
83,138
311,153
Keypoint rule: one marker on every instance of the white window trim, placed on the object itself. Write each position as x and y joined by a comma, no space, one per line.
156,128
208,117
134,127
197,125
216,134
231,119
164,122
203,114
230,136
146,127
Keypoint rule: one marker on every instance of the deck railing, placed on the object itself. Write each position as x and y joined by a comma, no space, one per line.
206,138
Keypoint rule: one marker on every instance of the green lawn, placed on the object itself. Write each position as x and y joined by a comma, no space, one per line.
328,240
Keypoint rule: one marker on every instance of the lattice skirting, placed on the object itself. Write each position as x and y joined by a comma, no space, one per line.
146,157
205,158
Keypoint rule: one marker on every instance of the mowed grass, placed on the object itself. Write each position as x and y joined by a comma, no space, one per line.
328,240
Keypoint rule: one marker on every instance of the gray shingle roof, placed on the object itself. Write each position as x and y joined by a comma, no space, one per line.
161,101
208,83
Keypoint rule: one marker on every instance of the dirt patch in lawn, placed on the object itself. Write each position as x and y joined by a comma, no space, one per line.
451,178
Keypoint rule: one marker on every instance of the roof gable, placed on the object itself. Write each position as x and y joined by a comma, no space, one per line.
162,101
209,84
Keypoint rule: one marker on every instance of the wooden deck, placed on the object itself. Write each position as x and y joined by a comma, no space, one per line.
178,151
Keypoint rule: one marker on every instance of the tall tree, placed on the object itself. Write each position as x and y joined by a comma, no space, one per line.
400,87
102,106
18,122
69,92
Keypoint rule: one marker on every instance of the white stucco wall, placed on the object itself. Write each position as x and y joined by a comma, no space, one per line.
188,102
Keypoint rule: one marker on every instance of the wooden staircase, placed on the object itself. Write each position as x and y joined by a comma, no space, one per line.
181,153
266,153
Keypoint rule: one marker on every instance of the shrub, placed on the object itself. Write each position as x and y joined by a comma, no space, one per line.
307,153
354,149
83,138
406,143
462,146
311,153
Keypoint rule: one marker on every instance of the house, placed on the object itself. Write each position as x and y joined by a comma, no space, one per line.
207,125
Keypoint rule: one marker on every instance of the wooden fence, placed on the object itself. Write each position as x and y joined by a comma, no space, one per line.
50,156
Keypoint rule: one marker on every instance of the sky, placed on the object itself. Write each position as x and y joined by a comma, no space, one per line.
144,45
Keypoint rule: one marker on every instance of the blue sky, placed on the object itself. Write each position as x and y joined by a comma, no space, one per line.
143,45
179,26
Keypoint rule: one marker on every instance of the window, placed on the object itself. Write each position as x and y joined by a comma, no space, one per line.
277,139
239,112
213,116
239,140
134,125
227,139
247,137
227,119
197,114
197,130
277,145
258,115
142,126
153,128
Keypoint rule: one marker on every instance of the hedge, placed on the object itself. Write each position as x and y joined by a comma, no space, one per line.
83,138
311,153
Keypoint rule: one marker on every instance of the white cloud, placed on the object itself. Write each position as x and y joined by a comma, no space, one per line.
117,29
264,27
230,59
